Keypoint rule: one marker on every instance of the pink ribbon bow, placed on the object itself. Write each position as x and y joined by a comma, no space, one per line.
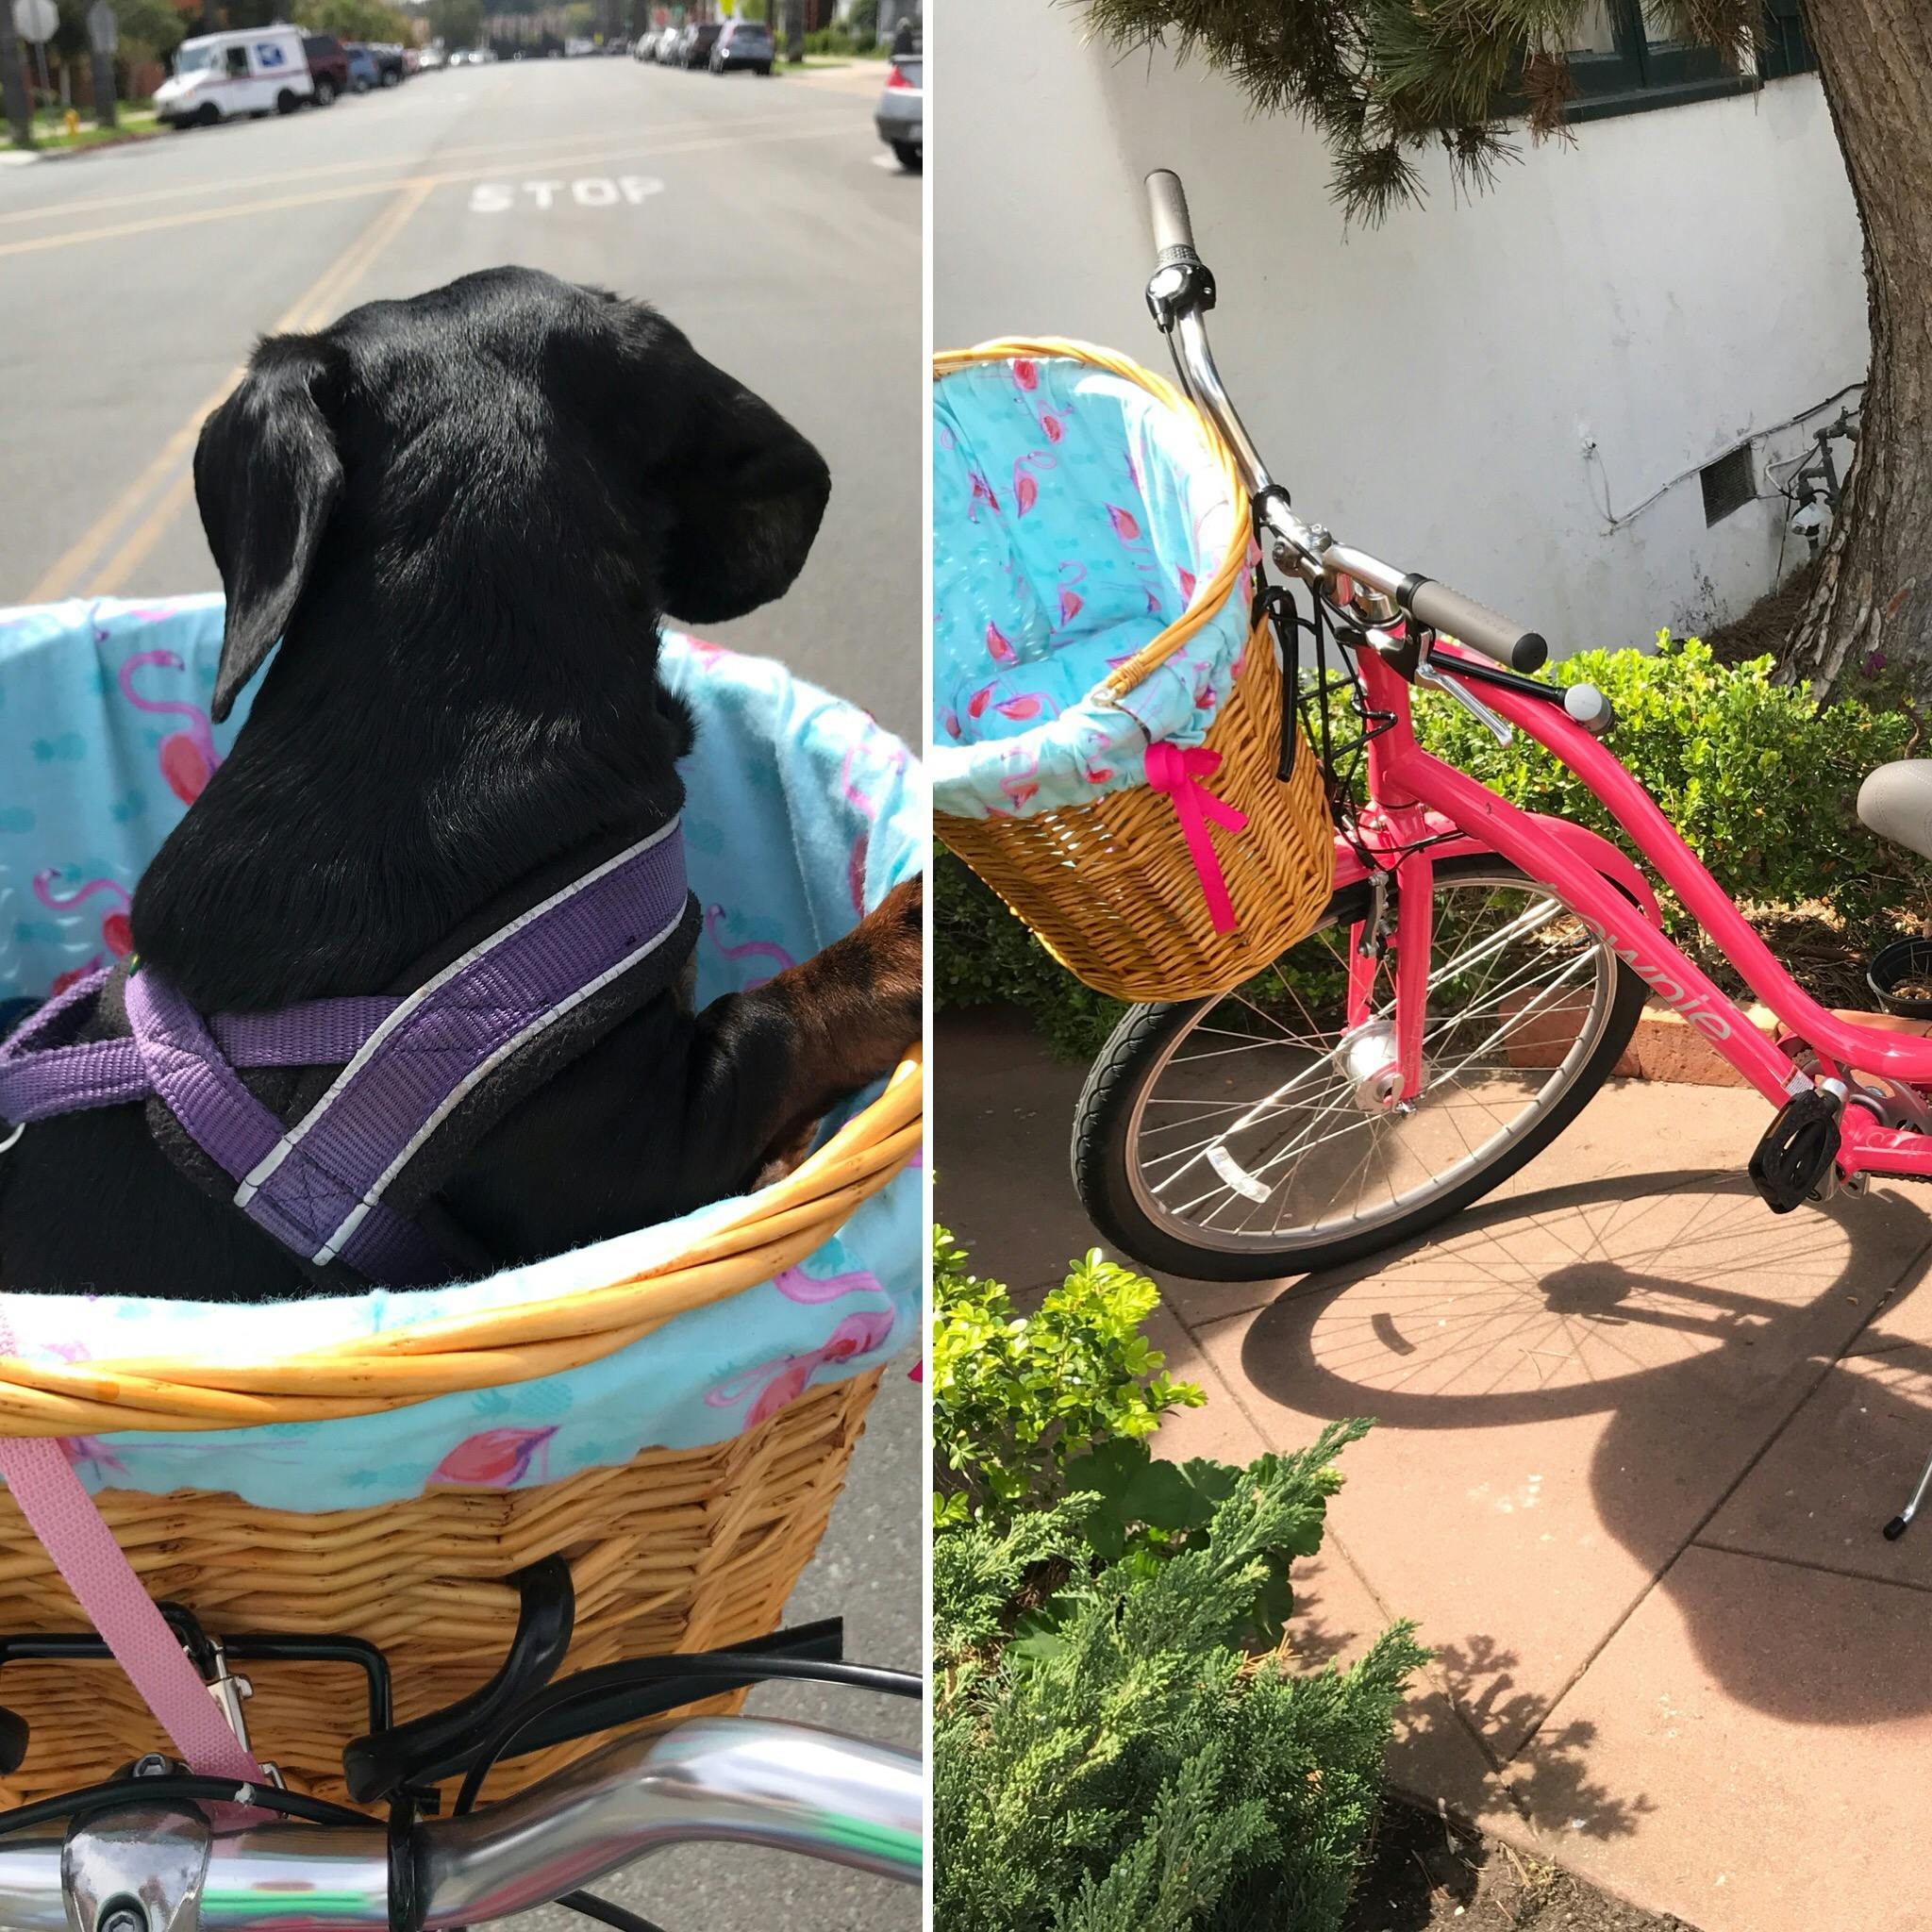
1179,774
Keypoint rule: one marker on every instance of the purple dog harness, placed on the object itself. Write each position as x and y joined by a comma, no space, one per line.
319,1184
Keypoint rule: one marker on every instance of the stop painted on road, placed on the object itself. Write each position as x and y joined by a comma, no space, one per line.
590,190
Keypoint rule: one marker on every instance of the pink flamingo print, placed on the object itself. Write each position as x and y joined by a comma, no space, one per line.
116,933
785,1379
977,704
982,493
949,721
1070,600
1186,583
999,646
187,757
867,807
90,1452
1019,710
495,1458
1027,373
798,1286
1125,527
1025,491
745,949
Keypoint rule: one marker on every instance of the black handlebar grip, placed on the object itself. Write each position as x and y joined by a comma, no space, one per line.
1167,204
1473,624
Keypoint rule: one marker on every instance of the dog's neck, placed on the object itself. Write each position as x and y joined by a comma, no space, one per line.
369,808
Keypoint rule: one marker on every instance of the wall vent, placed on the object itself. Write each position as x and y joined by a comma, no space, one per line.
1728,484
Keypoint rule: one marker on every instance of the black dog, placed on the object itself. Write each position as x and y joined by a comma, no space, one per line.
466,516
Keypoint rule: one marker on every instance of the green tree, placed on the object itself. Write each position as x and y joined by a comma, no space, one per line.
1383,81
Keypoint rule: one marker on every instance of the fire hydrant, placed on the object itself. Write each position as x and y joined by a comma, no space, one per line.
72,122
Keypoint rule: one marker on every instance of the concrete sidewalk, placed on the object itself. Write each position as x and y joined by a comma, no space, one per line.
1637,1439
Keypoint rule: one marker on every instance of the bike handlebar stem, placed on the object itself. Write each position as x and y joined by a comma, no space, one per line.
755,1781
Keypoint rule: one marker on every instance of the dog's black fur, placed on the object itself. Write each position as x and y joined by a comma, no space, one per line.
466,515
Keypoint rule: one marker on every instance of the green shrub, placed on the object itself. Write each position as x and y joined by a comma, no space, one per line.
829,40
1016,1398
983,955
1760,780
1139,1767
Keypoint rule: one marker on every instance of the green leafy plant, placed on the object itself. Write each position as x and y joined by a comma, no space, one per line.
1760,780
1142,1766
1017,1397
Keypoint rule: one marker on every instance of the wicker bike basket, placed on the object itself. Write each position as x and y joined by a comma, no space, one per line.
1108,884
670,1548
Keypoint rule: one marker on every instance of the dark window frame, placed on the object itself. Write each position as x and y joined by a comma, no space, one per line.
1638,78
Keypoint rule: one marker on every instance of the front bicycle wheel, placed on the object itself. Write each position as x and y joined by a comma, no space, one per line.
1227,1139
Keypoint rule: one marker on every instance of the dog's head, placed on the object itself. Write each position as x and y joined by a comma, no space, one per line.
507,416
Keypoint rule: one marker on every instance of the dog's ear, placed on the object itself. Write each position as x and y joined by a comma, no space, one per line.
745,490
267,476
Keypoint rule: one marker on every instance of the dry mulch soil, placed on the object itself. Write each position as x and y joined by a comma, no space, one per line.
1427,1876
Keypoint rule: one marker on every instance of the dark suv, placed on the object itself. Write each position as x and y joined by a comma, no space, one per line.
329,61
743,44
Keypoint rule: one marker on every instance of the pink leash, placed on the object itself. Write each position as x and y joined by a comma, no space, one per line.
61,1513
1179,773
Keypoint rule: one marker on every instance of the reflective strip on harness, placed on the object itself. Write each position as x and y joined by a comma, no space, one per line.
318,1185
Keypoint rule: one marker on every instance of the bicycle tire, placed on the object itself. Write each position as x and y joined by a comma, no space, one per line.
1138,1050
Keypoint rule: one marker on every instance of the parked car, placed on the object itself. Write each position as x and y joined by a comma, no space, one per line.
646,44
392,63
222,77
900,115
743,44
430,60
363,72
329,61
694,50
670,48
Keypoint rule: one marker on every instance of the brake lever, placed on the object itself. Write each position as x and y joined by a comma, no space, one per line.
1429,674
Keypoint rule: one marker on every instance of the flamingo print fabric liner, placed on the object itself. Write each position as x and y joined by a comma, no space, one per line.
801,813
1074,514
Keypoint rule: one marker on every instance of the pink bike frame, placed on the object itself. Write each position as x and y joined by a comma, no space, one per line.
1414,796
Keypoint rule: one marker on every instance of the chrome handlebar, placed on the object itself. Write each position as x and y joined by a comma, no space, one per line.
1179,293
755,1781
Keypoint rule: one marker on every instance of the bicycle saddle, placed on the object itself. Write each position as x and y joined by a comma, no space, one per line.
1896,802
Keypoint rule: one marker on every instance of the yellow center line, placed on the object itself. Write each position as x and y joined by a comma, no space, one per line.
62,210
311,307
315,308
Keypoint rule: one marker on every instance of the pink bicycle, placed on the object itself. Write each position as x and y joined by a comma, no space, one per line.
1480,968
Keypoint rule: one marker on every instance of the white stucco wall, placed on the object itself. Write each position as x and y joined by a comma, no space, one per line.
1673,282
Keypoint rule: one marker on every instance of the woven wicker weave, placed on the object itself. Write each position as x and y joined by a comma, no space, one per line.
682,1550
1110,886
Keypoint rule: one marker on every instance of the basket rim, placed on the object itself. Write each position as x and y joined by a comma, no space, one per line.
1213,591
773,1230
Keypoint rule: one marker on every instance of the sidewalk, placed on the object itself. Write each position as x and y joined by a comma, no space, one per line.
1638,1436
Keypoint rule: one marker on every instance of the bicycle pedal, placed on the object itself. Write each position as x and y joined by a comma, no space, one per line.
1794,1162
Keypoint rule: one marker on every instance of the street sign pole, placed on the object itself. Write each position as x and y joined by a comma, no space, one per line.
104,35
13,93
35,20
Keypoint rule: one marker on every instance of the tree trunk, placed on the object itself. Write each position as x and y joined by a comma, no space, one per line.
1873,603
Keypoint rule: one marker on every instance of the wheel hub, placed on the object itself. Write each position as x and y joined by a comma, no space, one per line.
1369,1061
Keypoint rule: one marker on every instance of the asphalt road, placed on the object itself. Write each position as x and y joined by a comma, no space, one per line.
762,216
757,214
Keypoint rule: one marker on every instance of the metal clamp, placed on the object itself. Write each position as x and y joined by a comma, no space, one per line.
137,1868
230,1693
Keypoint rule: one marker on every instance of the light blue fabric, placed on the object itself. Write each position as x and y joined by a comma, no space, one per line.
801,812
1074,514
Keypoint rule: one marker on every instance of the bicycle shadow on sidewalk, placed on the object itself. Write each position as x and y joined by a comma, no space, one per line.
1697,1325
